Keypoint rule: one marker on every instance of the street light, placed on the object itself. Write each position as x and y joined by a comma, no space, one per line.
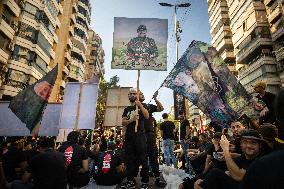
177,31
177,26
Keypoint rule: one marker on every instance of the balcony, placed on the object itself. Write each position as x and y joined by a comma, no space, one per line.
278,33
268,2
77,63
65,69
6,28
251,47
3,56
74,76
279,54
63,84
12,4
272,17
74,6
254,69
79,52
69,43
221,31
224,43
227,54
80,42
68,56
73,18
71,30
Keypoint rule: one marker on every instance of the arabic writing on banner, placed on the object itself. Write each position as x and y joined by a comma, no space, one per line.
140,44
202,76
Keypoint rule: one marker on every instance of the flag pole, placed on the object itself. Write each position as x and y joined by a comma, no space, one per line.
78,107
138,93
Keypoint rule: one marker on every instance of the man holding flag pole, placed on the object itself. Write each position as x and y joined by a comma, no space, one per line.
135,141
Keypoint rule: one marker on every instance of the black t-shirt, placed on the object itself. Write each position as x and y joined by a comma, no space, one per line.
106,163
268,99
185,123
130,111
266,172
242,162
74,155
49,170
11,160
216,163
168,128
149,123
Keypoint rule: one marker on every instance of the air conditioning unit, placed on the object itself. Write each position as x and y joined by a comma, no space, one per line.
11,46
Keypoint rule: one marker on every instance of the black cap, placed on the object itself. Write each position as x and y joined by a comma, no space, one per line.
252,134
141,28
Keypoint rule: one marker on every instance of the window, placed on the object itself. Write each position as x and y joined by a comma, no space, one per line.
43,44
7,15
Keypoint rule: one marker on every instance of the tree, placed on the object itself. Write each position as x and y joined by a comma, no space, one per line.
101,102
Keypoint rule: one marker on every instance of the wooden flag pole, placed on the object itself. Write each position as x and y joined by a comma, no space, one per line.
138,94
78,107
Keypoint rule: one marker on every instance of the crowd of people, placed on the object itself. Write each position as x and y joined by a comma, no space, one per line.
248,154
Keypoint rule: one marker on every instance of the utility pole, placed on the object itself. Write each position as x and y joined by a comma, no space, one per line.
180,101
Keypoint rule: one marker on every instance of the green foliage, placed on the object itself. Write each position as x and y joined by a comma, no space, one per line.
101,102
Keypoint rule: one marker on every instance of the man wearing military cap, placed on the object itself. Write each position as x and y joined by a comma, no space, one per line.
141,50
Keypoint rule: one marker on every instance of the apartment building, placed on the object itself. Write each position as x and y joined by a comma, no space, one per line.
95,56
28,38
275,15
249,29
221,32
35,35
72,47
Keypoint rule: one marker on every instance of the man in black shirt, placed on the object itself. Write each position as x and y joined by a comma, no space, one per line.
251,144
184,139
268,113
14,159
152,149
135,141
167,132
265,172
109,167
76,160
47,168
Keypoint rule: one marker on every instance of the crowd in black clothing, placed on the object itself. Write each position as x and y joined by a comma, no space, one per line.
42,164
247,155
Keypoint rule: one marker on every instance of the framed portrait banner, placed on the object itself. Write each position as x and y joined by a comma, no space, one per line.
140,44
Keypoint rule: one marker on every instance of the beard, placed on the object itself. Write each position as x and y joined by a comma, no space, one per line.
132,99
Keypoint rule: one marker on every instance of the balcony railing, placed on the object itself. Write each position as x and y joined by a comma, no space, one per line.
280,54
251,42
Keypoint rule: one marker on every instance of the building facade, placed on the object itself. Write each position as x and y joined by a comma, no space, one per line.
251,39
95,56
36,35
72,47
28,39
220,31
275,15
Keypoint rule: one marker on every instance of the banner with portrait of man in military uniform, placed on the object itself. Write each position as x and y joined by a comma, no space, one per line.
140,44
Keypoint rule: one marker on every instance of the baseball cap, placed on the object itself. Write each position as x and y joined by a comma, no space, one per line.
141,28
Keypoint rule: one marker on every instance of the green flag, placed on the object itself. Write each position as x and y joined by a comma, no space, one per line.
28,105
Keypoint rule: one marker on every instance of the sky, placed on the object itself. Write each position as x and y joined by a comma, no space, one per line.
194,23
